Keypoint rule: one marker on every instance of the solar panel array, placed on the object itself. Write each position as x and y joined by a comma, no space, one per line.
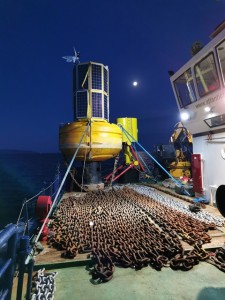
90,87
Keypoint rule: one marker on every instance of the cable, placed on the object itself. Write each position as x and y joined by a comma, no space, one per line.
61,185
130,136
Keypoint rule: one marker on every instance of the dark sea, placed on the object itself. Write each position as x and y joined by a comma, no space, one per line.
23,175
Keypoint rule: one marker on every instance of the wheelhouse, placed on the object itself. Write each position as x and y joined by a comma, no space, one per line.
199,88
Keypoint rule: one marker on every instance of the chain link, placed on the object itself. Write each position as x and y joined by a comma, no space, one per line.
123,227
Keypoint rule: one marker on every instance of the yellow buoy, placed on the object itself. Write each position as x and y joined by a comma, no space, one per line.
102,141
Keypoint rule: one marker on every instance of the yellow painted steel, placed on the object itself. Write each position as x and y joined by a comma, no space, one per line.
179,130
179,169
102,141
130,125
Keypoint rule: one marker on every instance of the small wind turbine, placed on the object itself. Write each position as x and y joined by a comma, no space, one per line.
74,59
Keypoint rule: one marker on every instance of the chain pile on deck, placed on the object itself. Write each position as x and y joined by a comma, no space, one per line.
123,227
175,204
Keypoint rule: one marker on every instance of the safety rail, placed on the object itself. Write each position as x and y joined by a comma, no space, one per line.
15,246
28,205
8,241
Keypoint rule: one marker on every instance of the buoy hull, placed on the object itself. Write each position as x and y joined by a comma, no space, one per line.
101,142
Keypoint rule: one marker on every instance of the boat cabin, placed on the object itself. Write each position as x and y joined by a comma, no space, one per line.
199,88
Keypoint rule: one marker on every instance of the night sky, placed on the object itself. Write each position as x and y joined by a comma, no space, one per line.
138,39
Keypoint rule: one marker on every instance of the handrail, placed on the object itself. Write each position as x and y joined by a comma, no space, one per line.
8,236
34,197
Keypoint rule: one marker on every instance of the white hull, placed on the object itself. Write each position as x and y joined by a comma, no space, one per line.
213,162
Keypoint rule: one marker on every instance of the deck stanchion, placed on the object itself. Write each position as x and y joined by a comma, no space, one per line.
29,279
23,252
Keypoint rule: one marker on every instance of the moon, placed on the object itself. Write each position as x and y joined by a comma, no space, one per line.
135,83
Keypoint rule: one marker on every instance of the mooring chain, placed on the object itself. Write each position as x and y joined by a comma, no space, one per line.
188,228
175,204
126,228
218,259
43,285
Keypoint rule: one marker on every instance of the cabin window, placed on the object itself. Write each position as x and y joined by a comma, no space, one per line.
221,55
215,121
184,87
206,76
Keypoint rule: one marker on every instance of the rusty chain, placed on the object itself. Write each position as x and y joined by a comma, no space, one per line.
125,228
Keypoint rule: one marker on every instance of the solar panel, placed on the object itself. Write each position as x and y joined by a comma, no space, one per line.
106,80
81,107
82,76
96,105
94,93
106,112
96,77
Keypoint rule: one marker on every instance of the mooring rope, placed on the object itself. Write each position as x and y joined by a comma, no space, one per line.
62,183
131,138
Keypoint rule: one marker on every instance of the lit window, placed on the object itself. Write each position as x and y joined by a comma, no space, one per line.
221,54
185,90
206,76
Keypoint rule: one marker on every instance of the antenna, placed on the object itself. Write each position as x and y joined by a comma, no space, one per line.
74,59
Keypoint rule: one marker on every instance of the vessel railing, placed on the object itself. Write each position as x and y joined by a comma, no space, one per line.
8,241
28,205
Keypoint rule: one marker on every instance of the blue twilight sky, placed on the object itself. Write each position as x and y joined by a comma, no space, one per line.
138,39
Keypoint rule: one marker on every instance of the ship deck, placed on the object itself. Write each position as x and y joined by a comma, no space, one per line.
74,281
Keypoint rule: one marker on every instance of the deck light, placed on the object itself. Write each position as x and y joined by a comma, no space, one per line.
184,116
207,109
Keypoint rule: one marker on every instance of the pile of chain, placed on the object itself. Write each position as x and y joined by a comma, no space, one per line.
125,228
175,204
43,285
